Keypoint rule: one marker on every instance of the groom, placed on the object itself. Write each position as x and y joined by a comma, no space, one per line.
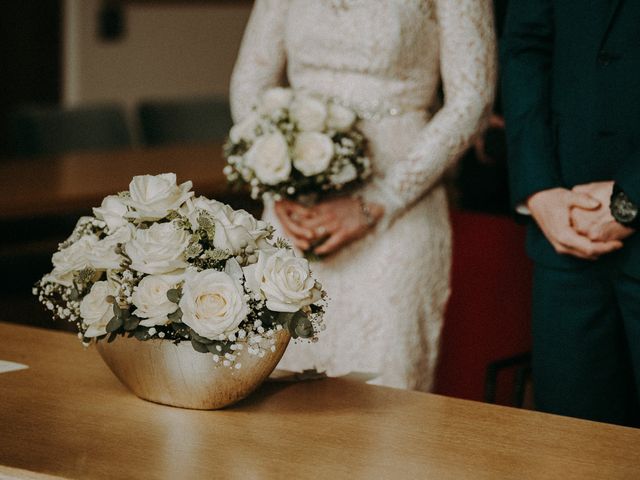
571,86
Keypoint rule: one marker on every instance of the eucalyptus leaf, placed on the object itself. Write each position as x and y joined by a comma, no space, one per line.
304,328
282,318
131,323
175,316
181,329
300,326
199,339
114,324
199,347
225,347
174,295
141,334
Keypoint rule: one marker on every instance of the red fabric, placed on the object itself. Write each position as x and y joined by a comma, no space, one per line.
488,316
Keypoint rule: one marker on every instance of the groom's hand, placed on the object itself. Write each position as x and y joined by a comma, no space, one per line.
598,225
552,208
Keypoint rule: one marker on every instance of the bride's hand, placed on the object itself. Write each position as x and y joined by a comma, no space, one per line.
340,221
290,215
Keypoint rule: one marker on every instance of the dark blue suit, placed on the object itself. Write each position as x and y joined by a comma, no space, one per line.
571,92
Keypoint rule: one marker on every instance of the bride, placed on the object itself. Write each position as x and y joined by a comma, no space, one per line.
387,251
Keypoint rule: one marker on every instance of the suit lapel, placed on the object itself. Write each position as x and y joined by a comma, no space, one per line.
612,10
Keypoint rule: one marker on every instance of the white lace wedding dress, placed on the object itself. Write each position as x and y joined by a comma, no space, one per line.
385,59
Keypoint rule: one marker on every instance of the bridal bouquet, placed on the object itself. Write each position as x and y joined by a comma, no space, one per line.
158,262
294,145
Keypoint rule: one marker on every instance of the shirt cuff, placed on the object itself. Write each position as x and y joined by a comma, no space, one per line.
522,209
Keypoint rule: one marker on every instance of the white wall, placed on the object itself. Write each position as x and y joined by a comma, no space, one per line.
169,50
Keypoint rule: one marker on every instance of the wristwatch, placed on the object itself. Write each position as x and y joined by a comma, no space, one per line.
623,210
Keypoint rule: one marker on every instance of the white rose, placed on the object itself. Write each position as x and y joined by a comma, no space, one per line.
245,219
228,216
158,249
239,228
194,207
152,196
312,153
212,303
150,299
245,129
283,279
340,118
81,228
234,229
269,158
72,259
275,99
308,113
112,212
95,310
103,256
232,238
346,174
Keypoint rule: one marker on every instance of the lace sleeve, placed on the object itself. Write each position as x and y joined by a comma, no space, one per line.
468,69
261,60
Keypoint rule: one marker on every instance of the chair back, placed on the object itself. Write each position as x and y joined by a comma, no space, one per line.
188,121
53,130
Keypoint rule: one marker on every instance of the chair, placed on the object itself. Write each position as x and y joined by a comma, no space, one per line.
40,130
488,316
26,247
521,366
196,120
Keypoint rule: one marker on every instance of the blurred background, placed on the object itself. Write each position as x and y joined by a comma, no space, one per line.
81,77
95,91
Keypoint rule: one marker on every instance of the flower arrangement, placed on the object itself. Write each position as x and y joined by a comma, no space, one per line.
295,145
158,262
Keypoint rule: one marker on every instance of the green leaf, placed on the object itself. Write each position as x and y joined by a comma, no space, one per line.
112,337
225,347
174,295
198,338
199,347
304,328
181,329
175,316
131,323
122,313
282,318
114,324
300,326
141,334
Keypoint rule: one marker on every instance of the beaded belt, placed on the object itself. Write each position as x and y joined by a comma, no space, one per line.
376,109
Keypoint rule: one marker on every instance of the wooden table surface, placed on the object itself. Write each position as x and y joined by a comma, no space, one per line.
67,416
78,181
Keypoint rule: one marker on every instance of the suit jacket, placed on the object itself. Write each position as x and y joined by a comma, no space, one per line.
571,93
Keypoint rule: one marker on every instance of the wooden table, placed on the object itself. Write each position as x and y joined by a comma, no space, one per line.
79,181
68,416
